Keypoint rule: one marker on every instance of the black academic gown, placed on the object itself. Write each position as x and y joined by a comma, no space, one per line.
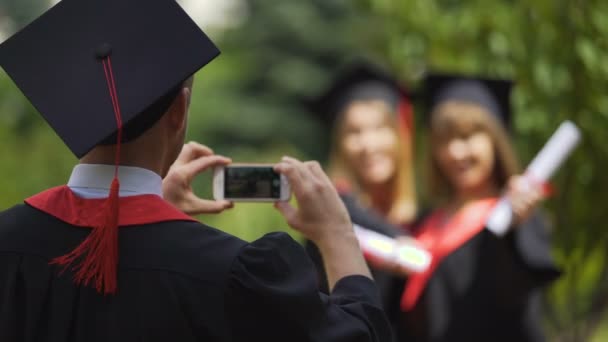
486,290
177,281
389,285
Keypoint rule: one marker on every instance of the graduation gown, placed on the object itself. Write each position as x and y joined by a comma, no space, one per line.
178,280
487,289
389,285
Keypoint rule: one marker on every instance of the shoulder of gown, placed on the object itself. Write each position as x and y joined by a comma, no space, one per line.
174,246
272,295
171,280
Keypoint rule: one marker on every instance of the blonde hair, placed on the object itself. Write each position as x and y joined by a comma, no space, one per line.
459,118
403,201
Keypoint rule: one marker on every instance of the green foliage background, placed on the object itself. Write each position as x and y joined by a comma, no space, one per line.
248,105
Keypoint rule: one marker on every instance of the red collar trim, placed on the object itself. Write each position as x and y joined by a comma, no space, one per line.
63,204
441,239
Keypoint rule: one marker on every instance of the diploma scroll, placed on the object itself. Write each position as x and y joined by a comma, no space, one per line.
411,257
543,166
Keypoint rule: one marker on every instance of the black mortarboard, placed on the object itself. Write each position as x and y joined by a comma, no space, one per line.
56,61
360,81
492,94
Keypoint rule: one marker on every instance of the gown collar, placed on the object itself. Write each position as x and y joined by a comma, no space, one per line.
93,181
80,202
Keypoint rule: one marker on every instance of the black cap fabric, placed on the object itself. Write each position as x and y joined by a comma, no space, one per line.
56,61
492,94
361,81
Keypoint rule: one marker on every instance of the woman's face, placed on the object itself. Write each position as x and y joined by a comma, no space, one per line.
467,161
369,144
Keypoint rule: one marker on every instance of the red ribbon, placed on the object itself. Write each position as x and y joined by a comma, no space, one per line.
442,238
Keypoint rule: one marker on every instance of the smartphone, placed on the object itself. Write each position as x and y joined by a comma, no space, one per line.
250,183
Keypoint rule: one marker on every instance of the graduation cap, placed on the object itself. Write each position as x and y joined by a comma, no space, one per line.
57,62
361,81
492,94
91,67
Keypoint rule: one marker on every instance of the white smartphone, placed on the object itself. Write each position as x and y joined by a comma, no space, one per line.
250,183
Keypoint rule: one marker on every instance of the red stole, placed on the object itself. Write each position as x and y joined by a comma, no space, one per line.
63,204
441,239
95,260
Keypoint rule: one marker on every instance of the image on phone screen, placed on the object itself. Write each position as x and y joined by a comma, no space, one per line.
251,182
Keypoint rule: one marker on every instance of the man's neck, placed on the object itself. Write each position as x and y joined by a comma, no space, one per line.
128,157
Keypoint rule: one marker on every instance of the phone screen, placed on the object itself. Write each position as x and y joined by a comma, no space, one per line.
251,182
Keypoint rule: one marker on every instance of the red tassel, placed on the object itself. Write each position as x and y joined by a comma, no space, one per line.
95,260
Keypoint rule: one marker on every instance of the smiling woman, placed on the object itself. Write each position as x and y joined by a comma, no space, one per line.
479,287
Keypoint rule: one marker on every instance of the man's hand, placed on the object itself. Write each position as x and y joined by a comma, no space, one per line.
177,185
322,218
321,214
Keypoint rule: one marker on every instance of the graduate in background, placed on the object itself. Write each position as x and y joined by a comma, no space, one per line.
370,153
370,136
109,256
480,287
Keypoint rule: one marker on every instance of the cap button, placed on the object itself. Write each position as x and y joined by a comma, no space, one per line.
104,50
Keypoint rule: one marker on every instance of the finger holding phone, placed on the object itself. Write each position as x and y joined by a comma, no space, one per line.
193,159
320,211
